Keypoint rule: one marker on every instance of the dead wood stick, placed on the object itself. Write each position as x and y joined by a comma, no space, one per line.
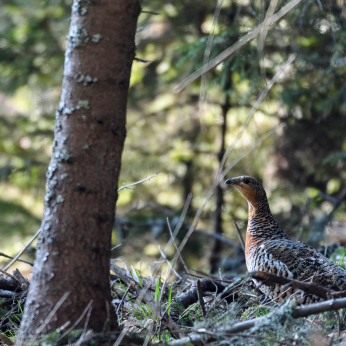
312,309
218,237
199,335
139,291
337,294
191,296
23,250
24,284
9,284
7,341
7,294
200,297
310,288
145,179
239,235
19,260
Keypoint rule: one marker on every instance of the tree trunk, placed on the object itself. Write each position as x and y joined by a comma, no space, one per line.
219,200
73,251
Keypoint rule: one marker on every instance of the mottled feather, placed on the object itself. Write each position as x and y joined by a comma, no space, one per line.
269,249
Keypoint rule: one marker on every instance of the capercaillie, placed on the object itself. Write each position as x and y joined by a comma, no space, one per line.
269,249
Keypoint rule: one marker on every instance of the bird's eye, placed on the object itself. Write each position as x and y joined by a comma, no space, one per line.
247,181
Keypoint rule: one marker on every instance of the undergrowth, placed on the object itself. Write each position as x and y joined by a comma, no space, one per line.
276,325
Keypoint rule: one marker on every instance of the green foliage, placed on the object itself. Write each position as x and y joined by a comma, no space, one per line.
338,257
166,132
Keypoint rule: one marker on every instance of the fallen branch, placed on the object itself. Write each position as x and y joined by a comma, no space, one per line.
200,298
310,288
135,288
191,296
9,284
202,334
24,284
7,294
5,340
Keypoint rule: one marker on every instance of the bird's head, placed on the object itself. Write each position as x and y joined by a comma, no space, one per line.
252,190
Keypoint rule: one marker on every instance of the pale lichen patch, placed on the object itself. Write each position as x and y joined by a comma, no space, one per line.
62,155
85,79
96,38
81,7
78,36
59,199
63,176
68,110
51,169
83,104
48,196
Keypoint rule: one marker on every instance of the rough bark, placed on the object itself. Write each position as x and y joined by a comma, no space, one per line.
73,251
219,200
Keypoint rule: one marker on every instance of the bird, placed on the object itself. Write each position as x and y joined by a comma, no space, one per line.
269,249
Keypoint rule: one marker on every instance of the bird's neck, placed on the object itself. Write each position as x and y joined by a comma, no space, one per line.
261,227
261,223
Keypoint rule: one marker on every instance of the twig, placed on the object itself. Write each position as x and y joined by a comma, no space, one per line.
304,311
24,284
222,172
49,317
337,294
139,291
191,296
200,298
149,331
175,233
121,336
230,50
19,260
151,12
9,275
138,182
219,237
7,294
86,335
310,288
123,298
264,29
88,307
239,235
175,244
216,181
312,309
142,60
206,57
24,249
169,264
5,340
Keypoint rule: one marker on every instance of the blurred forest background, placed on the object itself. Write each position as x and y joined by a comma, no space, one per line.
302,166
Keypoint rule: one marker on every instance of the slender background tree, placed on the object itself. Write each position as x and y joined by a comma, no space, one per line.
71,269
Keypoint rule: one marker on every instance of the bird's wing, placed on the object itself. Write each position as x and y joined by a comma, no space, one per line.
296,260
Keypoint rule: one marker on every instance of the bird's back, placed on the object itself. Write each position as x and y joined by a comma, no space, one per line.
291,259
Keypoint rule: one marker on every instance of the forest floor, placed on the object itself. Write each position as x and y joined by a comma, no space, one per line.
196,309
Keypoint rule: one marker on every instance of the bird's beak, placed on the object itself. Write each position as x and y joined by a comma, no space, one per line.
230,181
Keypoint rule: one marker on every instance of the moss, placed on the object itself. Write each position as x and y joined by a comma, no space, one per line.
55,338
